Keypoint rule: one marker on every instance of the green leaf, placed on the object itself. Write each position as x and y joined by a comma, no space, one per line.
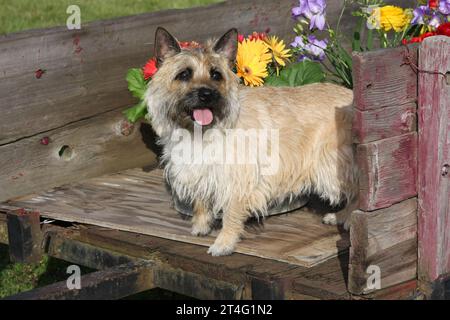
136,83
136,113
297,74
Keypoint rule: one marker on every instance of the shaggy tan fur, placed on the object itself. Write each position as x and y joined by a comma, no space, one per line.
314,139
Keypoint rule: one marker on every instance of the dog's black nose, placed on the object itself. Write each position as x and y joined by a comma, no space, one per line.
206,94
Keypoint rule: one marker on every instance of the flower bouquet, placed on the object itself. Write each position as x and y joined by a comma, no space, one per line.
378,26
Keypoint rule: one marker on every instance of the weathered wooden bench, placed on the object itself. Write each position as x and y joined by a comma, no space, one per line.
79,183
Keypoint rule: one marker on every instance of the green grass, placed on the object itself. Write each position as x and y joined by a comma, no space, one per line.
17,15
18,277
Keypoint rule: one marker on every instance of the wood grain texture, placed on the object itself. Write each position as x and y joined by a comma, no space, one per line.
378,124
388,171
111,284
94,146
25,238
434,159
137,201
382,78
85,69
386,238
327,280
3,229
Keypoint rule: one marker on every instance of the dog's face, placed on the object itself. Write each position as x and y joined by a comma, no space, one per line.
193,86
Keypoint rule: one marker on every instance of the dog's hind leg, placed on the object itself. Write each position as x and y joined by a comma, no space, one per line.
202,220
341,217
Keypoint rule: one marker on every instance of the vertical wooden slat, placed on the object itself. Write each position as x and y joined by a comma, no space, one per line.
384,126
384,229
24,235
434,159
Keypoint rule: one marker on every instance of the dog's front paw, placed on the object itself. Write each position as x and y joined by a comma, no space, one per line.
200,229
217,250
330,219
222,247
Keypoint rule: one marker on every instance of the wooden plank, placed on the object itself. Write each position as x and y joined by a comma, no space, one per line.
402,291
385,238
24,234
138,201
378,124
242,276
85,69
434,159
3,229
382,78
328,280
194,285
114,283
98,247
94,146
388,171
263,278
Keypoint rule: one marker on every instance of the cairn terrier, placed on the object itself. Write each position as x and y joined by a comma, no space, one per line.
196,94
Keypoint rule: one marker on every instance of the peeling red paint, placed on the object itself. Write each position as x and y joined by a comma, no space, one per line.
38,73
76,43
45,141
76,40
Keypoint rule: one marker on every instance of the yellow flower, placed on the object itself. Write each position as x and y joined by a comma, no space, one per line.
278,49
392,17
252,60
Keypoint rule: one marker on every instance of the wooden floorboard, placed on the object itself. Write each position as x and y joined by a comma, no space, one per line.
137,201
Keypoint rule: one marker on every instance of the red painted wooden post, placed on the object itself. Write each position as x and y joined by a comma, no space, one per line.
434,159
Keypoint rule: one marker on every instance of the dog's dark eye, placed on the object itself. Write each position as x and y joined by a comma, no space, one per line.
184,75
216,75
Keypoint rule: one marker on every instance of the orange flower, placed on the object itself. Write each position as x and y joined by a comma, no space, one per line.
150,68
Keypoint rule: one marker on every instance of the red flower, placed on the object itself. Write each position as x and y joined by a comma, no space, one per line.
257,36
241,38
427,34
433,4
444,29
150,68
419,38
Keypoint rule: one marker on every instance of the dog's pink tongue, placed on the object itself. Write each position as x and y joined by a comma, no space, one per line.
203,117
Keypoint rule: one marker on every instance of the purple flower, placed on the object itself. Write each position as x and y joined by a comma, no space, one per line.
298,42
313,48
444,6
419,15
435,20
313,10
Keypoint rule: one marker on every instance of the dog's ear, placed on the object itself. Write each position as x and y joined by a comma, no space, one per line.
228,44
165,45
